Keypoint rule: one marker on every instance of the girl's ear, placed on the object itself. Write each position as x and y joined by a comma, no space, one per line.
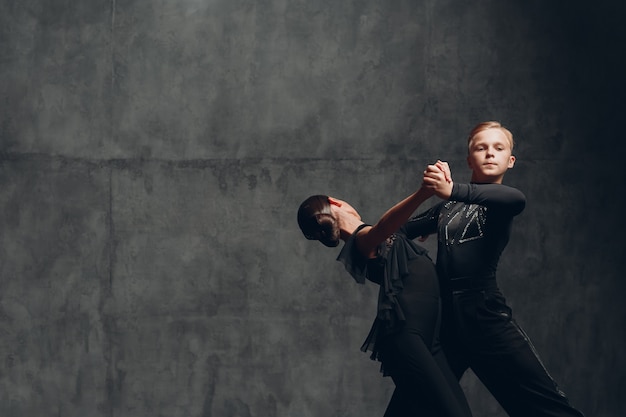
334,202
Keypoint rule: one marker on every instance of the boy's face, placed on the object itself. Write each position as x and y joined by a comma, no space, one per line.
490,156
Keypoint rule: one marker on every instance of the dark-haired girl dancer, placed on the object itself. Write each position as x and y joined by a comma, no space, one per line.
404,336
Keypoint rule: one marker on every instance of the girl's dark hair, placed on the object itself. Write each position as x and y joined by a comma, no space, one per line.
317,221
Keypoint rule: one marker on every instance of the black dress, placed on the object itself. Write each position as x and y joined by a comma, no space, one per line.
405,333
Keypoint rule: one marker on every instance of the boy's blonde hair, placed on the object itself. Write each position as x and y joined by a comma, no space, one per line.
490,125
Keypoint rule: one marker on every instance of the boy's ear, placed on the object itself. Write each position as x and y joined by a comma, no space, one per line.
334,202
511,161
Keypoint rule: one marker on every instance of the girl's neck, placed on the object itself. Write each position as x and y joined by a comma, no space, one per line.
347,225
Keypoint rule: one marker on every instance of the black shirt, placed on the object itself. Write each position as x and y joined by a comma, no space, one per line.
473,228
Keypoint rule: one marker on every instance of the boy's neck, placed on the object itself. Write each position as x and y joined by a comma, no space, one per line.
495,180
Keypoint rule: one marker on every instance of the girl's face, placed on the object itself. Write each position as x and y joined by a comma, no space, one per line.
343,208
490,156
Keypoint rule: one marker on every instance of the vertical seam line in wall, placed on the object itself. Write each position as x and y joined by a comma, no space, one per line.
113,4
107,319
111,226
111,231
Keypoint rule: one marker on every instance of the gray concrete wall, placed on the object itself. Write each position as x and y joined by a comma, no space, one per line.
153,155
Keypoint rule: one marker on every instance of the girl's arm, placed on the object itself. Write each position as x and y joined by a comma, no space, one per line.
368,238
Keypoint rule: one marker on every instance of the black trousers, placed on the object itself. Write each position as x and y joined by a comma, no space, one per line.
478,332
425,385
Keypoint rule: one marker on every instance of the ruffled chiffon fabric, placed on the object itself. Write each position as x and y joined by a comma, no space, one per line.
387,270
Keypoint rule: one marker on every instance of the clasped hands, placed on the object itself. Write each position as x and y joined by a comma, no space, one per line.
438,179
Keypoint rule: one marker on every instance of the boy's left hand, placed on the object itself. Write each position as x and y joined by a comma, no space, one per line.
438,178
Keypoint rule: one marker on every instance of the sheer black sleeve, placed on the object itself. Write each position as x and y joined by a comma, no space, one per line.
498,196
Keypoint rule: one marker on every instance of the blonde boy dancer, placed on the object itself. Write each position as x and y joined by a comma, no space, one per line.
473,227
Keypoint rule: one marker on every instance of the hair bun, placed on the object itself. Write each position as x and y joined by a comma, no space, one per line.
317,222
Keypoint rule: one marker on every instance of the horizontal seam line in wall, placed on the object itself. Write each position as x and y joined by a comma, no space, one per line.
11,157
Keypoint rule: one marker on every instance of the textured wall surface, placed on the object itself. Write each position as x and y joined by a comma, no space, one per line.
153,155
